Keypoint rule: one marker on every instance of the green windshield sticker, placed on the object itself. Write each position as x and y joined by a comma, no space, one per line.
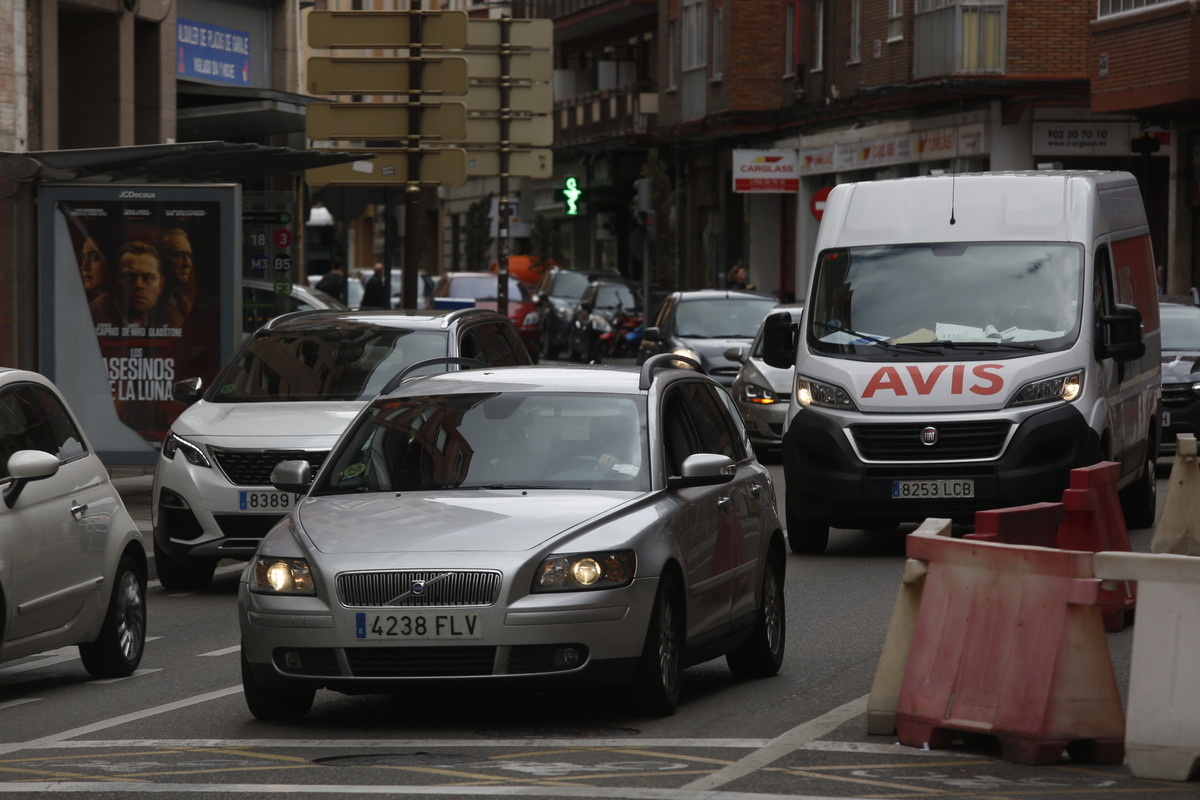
354,470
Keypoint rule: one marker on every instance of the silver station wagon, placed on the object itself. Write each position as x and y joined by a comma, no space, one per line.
521,524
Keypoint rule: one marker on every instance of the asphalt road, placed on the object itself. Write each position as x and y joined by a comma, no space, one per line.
180,728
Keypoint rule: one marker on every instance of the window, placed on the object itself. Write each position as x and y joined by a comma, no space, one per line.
31,418
717,39
673,54
818,35
895,19
855,31
694,77
1111,8
958,37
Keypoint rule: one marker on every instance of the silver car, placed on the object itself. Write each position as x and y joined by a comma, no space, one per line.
762,392
499,525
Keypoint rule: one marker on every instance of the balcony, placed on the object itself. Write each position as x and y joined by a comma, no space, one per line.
577,18
623,112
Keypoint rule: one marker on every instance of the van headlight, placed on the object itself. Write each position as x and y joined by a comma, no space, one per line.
816,393
175,444
1065,388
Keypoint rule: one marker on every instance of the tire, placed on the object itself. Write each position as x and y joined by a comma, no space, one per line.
659,680
806,534
182,574
273,703
1140,498
118,649
762,655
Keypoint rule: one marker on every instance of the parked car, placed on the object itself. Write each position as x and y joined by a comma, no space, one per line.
703,325
288,392
356,285
762,392
1180,373
557,294
591,524
72,561
480,289
607,314
260,302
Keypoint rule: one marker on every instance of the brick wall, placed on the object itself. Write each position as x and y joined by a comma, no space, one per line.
1153,58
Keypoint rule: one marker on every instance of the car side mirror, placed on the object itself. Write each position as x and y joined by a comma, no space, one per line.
703,469
25,466
1120,334
186,391
292,476
652,334
736,353
779,340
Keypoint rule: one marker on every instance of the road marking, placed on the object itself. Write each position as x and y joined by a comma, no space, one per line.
137,673
222,652
782,745
21,702
558,790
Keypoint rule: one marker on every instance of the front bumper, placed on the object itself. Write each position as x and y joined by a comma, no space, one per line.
764,422
827,480
1181,414
592,636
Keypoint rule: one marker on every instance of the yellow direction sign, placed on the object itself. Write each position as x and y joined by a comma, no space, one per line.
446,30
528,131
536,98
521,33
444,166
385,120
538,163
386,75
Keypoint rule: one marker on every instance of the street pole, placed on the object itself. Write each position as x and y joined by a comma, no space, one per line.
502,223
412,187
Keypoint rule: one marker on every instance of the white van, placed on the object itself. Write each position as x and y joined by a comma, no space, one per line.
967,341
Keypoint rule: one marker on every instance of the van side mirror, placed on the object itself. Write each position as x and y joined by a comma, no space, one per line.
779,340
1119,334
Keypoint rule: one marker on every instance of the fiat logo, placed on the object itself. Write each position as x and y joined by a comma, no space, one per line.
929,436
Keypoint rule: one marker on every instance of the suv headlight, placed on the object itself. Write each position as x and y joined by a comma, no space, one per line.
815,393
1048,390
753,393
582,571
192,452
282,576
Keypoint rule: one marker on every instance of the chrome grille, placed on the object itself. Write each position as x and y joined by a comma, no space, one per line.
435,588
253,467
902,442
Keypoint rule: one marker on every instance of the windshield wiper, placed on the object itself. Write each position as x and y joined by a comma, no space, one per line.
991,344
865,337
496,486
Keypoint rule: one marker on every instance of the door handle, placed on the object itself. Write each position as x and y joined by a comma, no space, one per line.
77,509
724,502
755,489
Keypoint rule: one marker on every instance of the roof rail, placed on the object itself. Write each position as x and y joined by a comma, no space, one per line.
653,363
469,363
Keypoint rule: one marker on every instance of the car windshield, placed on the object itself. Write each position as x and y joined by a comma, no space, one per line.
319,361
721,317
615,295
1180,328
869,302
524,440
569,285
483,287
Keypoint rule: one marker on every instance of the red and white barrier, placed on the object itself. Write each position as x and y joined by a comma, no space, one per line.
1178,529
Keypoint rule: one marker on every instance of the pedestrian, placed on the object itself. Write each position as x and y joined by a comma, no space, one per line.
736,278
374,295
334,281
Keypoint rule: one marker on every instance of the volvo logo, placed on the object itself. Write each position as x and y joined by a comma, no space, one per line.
929,436
417,588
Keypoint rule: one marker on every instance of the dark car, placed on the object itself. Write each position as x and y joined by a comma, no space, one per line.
557,294
703,325
607,315
1180,372
481,289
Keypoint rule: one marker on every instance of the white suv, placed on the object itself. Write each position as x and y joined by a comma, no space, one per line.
288,393
72,561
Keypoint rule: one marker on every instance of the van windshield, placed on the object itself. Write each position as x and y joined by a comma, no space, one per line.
981,299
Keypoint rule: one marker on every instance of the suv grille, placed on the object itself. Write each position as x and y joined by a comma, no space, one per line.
434,588
1177,394
253,467
956,440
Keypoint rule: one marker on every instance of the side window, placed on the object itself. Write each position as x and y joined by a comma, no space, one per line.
488,343
32,418
1102,282
696,419
679,440
664,311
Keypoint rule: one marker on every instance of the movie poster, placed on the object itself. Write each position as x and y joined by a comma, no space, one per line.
142,297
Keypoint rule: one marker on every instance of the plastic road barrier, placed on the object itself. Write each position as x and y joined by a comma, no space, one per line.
1162,735
1178,529
881,703
1035,524
1009,643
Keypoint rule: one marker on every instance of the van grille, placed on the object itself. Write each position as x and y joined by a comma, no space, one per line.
434,588
955,440
253,467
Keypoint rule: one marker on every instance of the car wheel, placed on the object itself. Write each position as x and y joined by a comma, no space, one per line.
1138,499
182,574
806,534
762,655
274,703
117,651
659,679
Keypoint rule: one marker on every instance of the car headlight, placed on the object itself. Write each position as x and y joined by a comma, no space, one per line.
585,571
600,324
282,576
816,393
1048,390
532,318
753,393
563,312
174,444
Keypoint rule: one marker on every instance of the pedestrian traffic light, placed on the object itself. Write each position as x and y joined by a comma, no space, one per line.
641,194
645,220
572,196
